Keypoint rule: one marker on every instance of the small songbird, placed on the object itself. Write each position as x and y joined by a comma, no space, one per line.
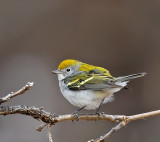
87,86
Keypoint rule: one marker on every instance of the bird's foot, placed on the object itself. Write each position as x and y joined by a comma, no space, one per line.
98,113
76,115
76,112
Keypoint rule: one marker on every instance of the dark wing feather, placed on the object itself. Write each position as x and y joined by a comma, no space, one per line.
92,81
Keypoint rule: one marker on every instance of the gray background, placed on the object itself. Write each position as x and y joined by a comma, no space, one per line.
122,36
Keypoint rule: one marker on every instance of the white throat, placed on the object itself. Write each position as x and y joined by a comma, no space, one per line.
60,77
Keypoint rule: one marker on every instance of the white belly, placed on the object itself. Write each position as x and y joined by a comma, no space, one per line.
89,98
82,98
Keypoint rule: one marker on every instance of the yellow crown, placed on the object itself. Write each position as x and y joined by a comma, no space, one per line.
83,67
64,64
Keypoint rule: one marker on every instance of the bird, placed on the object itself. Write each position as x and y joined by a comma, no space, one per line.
87,86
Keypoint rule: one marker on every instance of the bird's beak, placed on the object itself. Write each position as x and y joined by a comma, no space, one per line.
57,72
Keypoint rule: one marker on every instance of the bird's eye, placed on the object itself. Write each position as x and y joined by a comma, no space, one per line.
68,70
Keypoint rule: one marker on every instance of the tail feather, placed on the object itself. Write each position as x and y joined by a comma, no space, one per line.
128,77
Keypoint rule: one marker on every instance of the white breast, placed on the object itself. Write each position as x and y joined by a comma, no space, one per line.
89,98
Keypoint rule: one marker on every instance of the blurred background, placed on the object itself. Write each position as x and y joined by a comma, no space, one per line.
122,36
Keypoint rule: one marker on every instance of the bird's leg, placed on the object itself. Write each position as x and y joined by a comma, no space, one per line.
97,110
77,111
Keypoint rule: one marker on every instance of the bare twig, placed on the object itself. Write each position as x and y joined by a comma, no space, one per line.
40,114
46,117
37,113
51,119
127,119
143,115
49,132
114,129
41,127
14,94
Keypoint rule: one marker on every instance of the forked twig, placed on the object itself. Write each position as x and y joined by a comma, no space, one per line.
19,92
50,119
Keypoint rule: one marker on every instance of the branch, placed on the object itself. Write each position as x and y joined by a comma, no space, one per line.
49,132
14,94
106,136
126,120
51,119
114,129
47,117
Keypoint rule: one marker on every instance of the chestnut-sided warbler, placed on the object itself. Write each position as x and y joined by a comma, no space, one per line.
87,86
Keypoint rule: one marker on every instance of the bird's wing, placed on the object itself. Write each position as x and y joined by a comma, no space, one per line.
85,81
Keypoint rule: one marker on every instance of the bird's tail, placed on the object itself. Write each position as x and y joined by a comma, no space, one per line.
128,77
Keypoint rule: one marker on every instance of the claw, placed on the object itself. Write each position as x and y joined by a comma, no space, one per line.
98,113
76,115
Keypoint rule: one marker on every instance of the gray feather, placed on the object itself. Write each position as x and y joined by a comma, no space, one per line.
129,77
